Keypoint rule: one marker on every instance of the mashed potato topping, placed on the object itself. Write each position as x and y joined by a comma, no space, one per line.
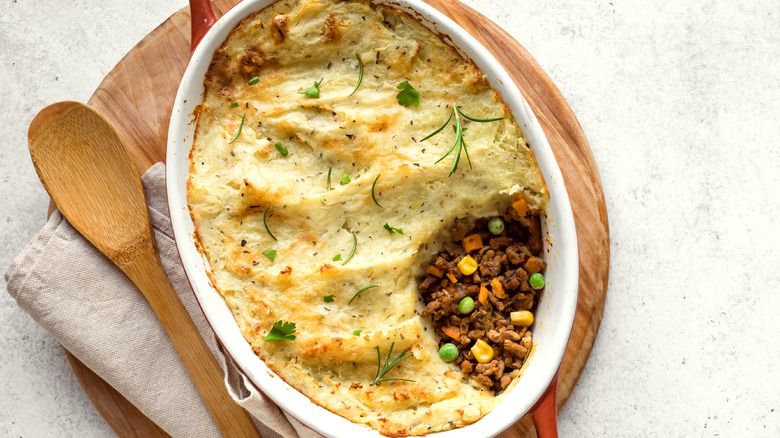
283,188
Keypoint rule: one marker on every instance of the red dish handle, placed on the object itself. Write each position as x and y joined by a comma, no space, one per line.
202,20
544,413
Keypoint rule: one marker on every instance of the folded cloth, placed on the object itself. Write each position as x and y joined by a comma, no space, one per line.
94,311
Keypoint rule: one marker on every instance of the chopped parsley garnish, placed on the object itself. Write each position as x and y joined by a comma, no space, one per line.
360,76
373,187
313,91
265,222
408,95
345,179
360,292
240,127
281,331
233,104
254,80
381,369
270,253
357,332
314,242
281,149
392,230
351,253
337,258
329,298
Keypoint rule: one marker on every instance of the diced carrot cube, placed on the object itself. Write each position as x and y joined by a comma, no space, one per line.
451,331
521,207
452,278
498,289
472,242
483,294
436,272
534,265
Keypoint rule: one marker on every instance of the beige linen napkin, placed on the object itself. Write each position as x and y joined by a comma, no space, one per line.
94,311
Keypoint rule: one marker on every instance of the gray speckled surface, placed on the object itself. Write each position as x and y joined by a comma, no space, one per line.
679,101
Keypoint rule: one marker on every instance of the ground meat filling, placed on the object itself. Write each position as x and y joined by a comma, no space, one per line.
510,258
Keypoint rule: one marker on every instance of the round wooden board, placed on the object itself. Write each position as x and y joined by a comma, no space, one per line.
137,97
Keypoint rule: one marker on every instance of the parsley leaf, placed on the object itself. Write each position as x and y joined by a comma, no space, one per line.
392,230
337,258
313,91
357,332
271,254
281,149
345,179
328,298
281,331
408,95
233,104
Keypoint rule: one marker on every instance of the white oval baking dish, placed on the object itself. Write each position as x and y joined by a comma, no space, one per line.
556,309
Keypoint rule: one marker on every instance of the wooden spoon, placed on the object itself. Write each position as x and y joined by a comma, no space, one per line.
89,174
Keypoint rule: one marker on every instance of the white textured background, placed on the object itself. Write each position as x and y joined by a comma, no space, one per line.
681,104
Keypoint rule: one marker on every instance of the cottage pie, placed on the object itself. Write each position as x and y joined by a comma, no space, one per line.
338,229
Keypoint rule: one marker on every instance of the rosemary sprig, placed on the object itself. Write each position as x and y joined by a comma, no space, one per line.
265,222
452,110
240,127
474,119
459,145
381,369
373,187
360,292
360,76
354,247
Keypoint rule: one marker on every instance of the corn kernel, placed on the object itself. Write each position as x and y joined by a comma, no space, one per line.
467,265
482,351
523,318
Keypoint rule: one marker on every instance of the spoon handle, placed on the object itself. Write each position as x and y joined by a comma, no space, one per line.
146,271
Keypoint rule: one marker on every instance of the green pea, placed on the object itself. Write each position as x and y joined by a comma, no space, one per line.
466,305
496,225
537,281
448,352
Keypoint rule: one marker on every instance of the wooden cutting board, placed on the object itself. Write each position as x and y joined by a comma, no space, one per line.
137,96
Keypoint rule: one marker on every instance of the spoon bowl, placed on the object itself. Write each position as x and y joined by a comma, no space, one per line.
87,171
